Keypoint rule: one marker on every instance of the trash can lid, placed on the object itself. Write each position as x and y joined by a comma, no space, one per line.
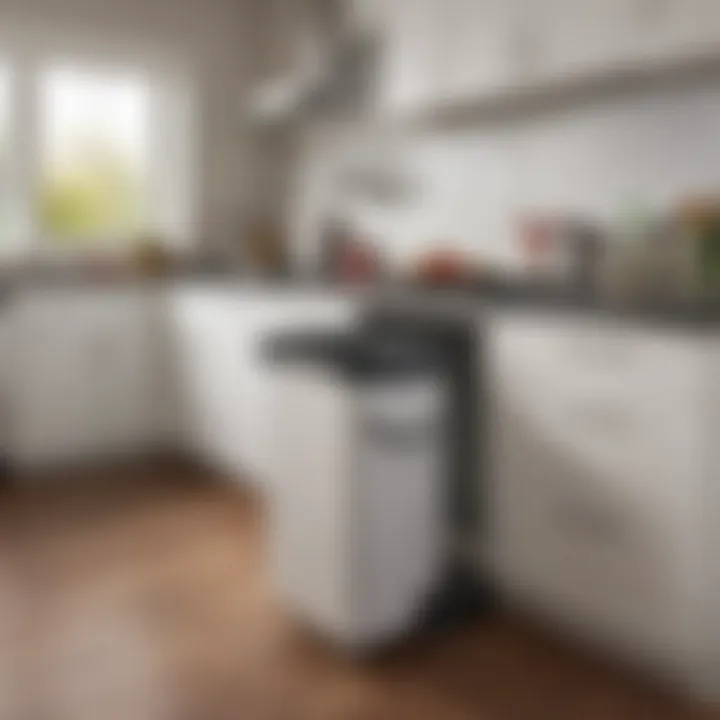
358,355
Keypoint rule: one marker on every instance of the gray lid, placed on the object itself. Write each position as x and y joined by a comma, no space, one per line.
359,356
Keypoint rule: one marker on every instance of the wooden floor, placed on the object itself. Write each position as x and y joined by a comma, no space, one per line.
141,594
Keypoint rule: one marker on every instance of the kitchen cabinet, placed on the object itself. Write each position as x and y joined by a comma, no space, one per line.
225,384
205,341
448,52
463,52
668,31
410,57
600,480
82,365
477,41
574,40
560,40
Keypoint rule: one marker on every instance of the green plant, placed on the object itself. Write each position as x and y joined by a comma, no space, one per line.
99,192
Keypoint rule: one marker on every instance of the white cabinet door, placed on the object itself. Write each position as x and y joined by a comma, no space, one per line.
447,51
204,329
669,31
225,382
596,479
120,342
223,377
257,318
560,40
411,42
50,396
475,58
83,373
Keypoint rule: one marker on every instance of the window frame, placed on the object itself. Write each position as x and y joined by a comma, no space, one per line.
172,91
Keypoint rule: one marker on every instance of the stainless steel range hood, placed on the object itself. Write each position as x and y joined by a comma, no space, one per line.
332,76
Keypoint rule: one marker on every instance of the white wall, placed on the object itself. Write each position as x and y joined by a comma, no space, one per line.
649,148
210,39
279,28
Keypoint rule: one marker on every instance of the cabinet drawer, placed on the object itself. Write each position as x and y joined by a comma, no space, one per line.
602,561
621,398
598,460
627,441
574,355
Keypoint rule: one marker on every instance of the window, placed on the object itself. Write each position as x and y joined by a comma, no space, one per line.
94,153
92,158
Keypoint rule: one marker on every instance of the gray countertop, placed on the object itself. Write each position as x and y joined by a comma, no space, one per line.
519,296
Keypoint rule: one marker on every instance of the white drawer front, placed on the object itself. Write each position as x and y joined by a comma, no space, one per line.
598,467
571,354
604,559
624,401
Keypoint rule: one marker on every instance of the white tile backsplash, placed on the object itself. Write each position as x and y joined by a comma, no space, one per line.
600,158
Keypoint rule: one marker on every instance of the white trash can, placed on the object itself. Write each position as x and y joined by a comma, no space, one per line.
357,505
